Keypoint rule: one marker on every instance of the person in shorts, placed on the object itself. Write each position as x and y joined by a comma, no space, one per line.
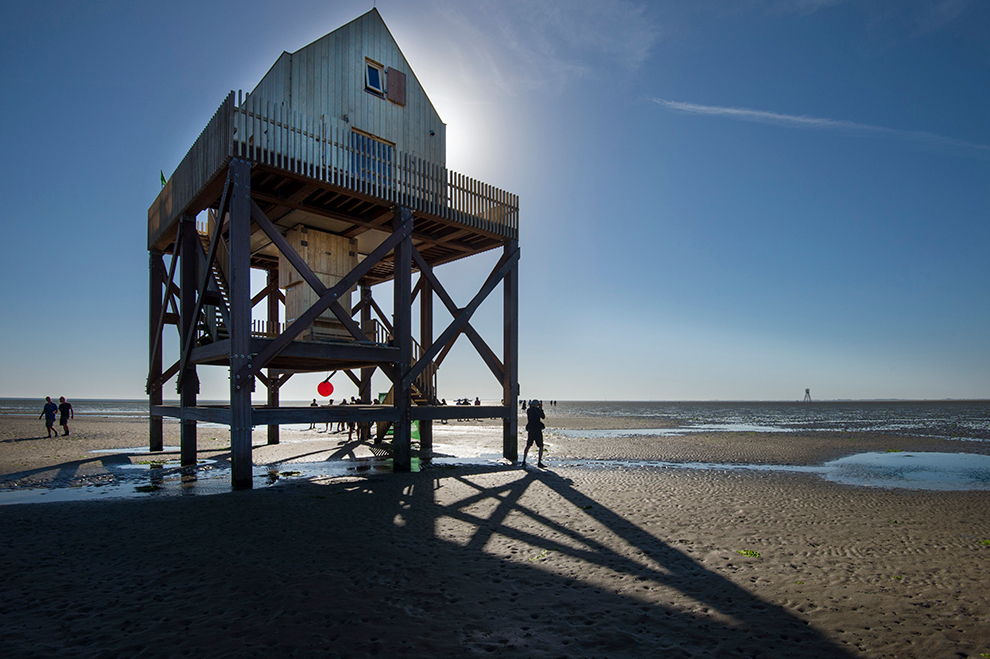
64,414
48,411
534,426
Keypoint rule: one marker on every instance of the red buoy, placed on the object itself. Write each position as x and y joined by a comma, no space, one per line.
324,389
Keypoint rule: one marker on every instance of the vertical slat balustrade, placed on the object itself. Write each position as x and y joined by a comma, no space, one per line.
270,133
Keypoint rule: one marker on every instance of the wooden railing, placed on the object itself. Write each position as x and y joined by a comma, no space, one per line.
259,131
266,328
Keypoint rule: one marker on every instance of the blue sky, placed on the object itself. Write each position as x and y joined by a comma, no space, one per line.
720,200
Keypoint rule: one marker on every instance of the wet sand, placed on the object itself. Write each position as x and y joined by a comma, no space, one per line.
490,560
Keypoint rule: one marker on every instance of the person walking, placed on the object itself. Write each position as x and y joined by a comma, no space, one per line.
64,414
534,425
48,411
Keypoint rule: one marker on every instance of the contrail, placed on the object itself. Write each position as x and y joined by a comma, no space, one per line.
821,123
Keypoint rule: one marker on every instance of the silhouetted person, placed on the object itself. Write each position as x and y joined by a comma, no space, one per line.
342,424
534,425
64,414
312,424
350,424
48,411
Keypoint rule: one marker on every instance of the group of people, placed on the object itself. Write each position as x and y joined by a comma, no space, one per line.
64,410
340,424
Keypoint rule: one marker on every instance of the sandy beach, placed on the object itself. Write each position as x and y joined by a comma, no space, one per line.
584,559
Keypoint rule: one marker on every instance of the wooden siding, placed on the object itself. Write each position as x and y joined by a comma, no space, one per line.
326,79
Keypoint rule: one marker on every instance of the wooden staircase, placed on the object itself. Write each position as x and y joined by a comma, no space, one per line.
213,323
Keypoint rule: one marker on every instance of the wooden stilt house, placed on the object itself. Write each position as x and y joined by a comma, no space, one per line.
329,176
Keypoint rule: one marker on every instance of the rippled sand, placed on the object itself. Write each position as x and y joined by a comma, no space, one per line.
493,560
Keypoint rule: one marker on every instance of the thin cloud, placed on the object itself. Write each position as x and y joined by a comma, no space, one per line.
821,123
520,46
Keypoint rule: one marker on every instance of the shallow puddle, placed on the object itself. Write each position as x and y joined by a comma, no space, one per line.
909,470
913,470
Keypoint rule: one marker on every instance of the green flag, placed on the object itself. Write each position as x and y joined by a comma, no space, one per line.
163,178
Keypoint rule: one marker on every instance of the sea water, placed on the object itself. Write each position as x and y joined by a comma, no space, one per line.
948,419
952,419
967,421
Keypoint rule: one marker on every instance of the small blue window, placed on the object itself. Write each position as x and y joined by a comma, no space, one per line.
375,78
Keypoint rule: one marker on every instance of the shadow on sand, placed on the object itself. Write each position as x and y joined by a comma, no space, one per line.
453,561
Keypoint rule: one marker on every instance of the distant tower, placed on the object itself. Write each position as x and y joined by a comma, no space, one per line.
807,395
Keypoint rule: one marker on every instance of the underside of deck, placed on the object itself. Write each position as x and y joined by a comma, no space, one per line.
290,200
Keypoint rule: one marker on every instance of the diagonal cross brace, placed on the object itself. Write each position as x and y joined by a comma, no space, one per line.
502,268
486,353
328,296
207,278
306,273
168,294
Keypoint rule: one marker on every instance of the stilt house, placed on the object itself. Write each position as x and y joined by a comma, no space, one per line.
330,176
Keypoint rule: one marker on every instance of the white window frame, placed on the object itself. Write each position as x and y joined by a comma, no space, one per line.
370,64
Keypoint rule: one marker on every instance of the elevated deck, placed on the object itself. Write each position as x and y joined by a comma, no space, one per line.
306,172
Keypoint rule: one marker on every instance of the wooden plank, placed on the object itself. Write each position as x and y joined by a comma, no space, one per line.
326,414
437,412
219,415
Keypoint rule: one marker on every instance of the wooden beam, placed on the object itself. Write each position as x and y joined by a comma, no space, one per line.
328,297
242,468
486,353
402,337
168,292
436,412
188,383
156,272
332,414
503,266
274,381
169,372
425,341
510,350
219,415
353,378
382,317
270,289
207,275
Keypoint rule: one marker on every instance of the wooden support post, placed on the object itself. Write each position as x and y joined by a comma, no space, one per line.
274,380
365,393
189,386
402,336
510,339
155,396
426,340
240,324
